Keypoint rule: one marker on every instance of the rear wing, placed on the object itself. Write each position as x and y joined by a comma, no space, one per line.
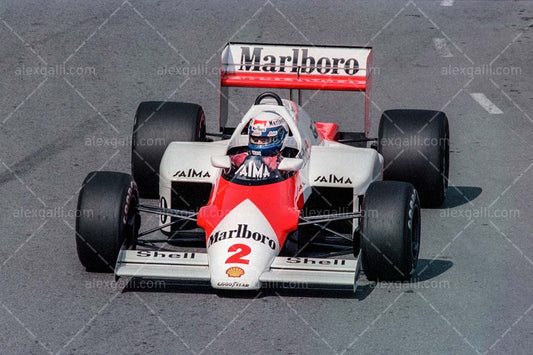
295,67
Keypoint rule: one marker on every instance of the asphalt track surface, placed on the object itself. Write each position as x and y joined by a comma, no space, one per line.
473,289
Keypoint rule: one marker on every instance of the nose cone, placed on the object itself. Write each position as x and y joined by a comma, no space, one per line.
241,247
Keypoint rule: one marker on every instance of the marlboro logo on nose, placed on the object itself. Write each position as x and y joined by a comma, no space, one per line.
244,232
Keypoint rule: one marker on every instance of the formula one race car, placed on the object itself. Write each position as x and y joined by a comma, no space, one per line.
275,186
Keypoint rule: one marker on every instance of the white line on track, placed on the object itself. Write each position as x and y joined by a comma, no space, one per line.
442,47
446,3
486,103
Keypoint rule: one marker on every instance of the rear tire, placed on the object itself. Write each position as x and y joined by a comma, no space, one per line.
390,235
415,146
106,217
157,124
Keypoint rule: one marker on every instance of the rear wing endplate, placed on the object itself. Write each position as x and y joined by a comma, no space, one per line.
295,67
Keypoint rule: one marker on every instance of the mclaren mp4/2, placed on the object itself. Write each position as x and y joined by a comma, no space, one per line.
256,216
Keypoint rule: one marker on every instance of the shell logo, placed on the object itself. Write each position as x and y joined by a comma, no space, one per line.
235,271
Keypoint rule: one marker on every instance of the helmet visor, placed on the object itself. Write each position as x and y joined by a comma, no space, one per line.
261,140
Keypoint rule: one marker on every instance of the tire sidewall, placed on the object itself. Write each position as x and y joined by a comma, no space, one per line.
385,243
102,234
411,231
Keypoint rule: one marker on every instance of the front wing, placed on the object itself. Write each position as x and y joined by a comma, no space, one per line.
285,272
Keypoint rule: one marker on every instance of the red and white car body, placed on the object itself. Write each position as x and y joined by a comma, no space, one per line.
246,225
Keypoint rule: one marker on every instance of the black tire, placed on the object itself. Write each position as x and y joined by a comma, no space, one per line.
157,124
390,235
106,216
356,242
415,146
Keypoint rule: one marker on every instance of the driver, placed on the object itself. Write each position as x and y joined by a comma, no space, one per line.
267,134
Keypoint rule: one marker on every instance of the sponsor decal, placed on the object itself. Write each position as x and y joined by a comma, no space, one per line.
165,254
300,62
192,173
263,124
311,261
232,284
132,189
243,233
251,170
235,271
333,179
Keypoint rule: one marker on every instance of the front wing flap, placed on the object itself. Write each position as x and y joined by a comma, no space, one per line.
163,264
285,272
304,272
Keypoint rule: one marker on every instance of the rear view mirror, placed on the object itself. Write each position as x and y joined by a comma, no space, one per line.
290,164
221,161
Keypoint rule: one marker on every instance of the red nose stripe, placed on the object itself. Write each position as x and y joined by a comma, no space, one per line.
280,204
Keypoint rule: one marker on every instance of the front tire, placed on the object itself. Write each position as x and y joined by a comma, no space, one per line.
106,217
390,234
